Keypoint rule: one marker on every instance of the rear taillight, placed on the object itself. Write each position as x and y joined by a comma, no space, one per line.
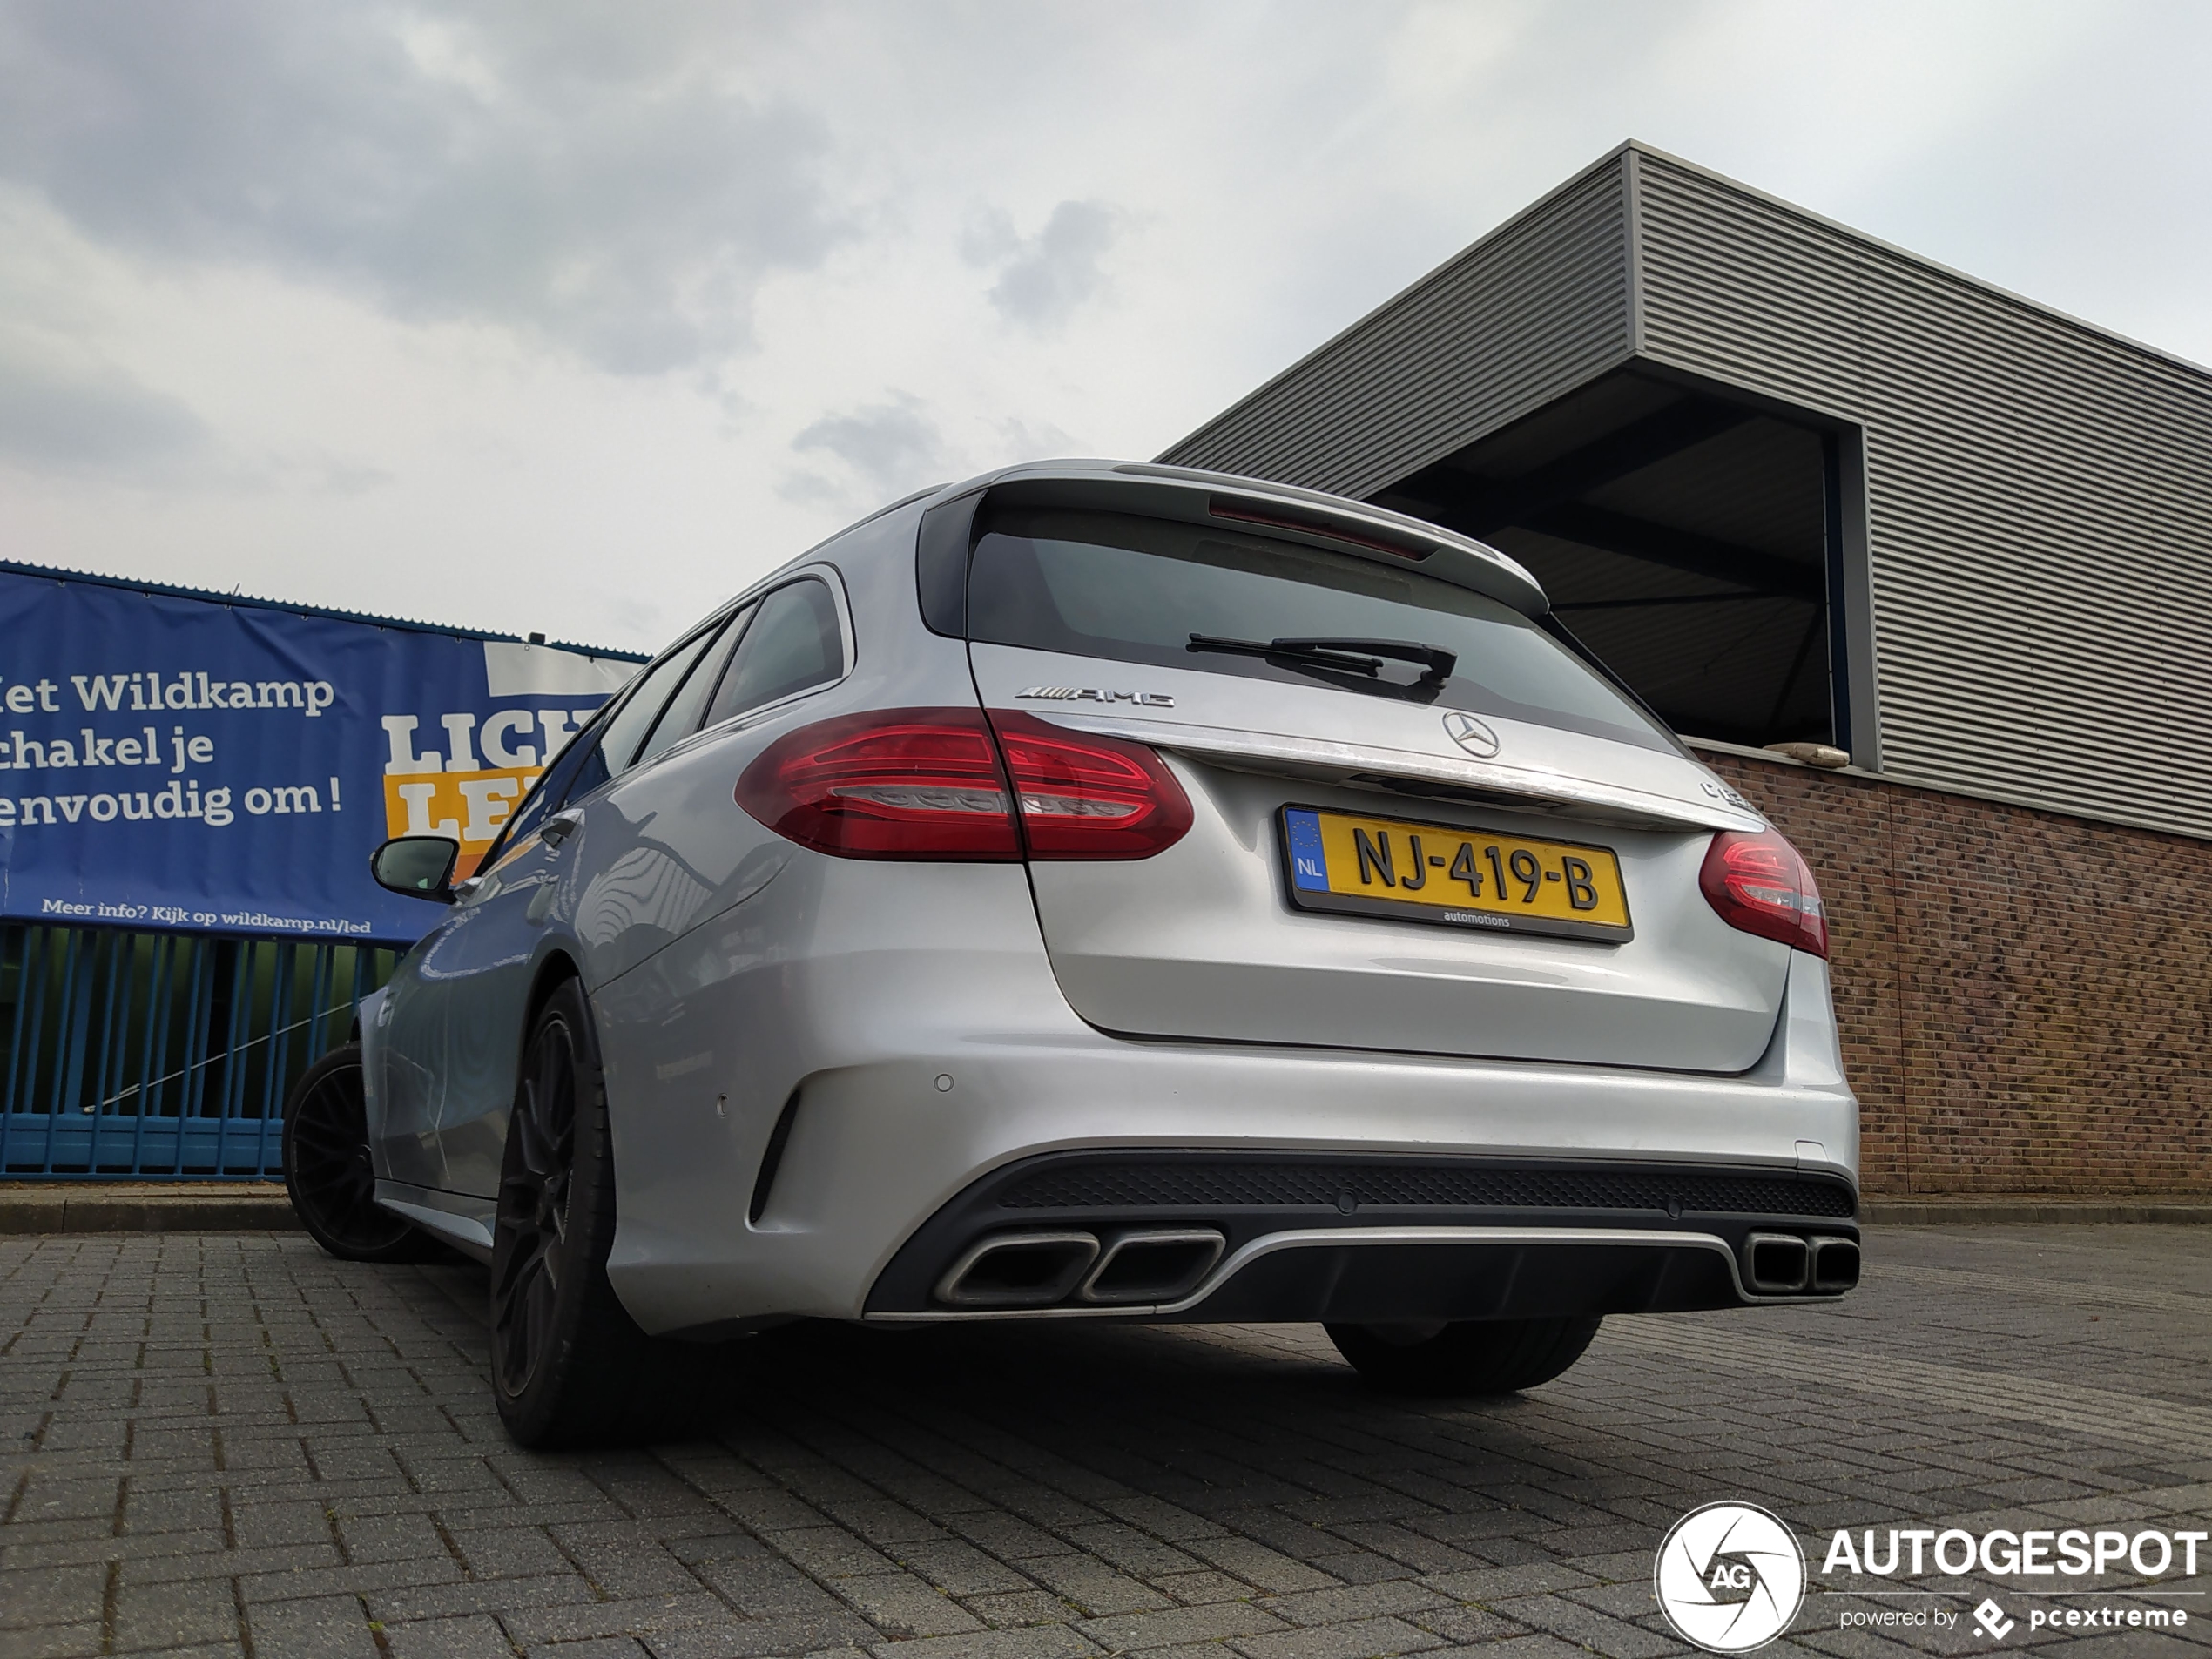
1760,884
903,784
932,784
1089,797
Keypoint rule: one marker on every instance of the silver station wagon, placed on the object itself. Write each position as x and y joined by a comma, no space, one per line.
1105,892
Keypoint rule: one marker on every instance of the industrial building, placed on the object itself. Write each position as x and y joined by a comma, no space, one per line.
1800,487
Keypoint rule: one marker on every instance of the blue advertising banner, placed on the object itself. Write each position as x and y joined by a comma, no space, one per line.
171,760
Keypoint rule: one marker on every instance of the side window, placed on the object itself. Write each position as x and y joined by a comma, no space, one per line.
794,643
547,794
681,718
623,734
591,771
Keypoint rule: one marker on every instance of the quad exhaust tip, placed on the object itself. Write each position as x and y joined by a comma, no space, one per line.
1153,1266
1835,1265
1039,1269
1018,1270
1776,1264
1785,1265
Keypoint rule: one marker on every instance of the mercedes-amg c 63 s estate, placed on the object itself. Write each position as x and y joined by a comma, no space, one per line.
1105,892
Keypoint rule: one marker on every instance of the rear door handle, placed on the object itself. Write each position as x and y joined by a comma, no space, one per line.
559,828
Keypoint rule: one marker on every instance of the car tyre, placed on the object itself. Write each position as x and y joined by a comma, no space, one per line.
570,1366
1482,1357
326,1168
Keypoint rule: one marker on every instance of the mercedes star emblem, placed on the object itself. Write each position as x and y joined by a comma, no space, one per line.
1471,734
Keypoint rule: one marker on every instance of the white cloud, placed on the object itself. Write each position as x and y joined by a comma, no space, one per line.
574,317
67,404
58,407
616,194
892,448
1042,279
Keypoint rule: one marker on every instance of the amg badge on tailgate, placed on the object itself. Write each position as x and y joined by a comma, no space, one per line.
1092,694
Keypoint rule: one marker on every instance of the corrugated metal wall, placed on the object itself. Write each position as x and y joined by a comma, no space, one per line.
1531,311
2039,497
2039,494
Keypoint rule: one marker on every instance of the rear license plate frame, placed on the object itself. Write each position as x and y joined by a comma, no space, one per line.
1305,865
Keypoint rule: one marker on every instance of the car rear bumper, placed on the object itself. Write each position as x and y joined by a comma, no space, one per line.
885,1154
1188,1234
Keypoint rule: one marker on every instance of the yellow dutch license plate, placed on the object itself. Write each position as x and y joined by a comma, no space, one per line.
1460,878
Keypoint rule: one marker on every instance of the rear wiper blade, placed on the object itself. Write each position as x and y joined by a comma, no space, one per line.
1342,661
1344,655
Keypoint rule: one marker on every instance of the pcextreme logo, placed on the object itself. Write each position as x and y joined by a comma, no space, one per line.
1730,1577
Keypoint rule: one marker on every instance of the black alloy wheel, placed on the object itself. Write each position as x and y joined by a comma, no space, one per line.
570,1366
535,1179
1466,1357
326,1168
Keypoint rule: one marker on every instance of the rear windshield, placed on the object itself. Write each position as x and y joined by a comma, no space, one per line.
1135,589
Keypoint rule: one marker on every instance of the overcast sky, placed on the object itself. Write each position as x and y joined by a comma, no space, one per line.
576,317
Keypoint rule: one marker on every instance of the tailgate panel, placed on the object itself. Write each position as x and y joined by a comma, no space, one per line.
1203,940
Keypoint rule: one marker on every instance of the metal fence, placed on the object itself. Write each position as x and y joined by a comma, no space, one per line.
169,1055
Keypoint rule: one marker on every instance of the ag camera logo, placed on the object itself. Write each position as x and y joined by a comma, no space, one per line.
1730,1577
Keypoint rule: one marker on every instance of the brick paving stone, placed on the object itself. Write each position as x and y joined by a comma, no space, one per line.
748,1639
1057,1642
1257,1565
765,1587
1097,1588
212,1441
1529,1647
508,1552
1024,1606
1353,1601
476,1636
51,1595
1498,1583
1586,1628
1354,1640
327,1627
1464,1624
1136,1632
1160,1519
1402,1544
1359,1567
958,1568
1201,1586
53,1640
902,1605
1008,1537
502,1595
171,1615
1628,1598
1125,1547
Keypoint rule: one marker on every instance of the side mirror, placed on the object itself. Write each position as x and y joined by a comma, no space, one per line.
419,865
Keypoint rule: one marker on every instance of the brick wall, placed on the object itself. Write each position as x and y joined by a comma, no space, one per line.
2025,998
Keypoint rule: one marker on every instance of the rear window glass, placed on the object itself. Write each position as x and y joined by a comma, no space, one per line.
1135,589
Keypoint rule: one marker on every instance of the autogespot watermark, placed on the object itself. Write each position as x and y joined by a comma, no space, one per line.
1731,1577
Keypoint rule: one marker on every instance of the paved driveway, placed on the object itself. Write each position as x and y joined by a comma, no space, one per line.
232,1445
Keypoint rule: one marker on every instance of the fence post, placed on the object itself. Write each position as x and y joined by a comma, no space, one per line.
95,1023
15,1035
